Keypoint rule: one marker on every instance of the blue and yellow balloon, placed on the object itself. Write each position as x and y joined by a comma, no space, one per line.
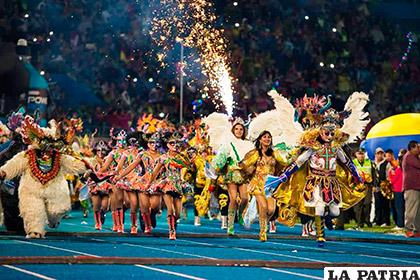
393,133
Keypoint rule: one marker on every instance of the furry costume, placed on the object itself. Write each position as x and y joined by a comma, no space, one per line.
43,192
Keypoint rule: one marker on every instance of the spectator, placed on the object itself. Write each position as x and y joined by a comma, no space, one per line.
411,187
382,208
363,208
395,176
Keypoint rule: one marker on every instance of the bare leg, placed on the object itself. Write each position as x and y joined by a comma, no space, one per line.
233,192
262,211
243,193
134,204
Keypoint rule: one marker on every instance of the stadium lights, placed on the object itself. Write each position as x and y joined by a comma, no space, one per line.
321,64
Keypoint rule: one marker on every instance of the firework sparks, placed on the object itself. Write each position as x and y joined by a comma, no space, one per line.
191,22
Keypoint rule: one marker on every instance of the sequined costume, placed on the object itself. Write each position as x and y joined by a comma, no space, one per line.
98,188
321,178
140,182
127,158
257,168
171,181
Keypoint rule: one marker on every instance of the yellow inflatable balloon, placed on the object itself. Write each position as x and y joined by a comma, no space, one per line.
393,133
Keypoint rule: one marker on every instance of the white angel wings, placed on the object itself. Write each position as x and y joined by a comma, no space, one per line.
283,127
280,122
356,122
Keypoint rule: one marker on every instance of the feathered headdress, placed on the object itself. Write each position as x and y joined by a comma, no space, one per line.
148,124
42,138
309,111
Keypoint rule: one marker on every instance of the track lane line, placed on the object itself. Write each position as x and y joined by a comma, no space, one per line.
156,249
170,272
254,251
37,275
90,255
293,273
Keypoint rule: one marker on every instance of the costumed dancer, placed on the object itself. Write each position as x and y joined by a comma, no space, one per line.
199,156
125,184
143,166
231,148
116,194
321,179
170,183
99,191
43,192
258,164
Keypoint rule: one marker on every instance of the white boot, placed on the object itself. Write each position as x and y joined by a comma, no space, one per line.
224,222
197,221
273,226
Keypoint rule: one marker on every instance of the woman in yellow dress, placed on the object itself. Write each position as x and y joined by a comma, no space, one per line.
257,165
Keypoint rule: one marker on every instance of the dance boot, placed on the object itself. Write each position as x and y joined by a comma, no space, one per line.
224,222
273,227
320,231
197,221
305,232
120,218
98,221
134,227
147,223
171,224
311,230
263,229
115,221
231,222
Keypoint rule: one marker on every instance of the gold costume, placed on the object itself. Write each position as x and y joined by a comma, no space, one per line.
257,168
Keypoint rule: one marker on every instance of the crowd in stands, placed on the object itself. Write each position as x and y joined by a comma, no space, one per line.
324,47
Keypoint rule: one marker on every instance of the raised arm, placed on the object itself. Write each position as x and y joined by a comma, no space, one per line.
14,167
121,162
156,172
273,182
72,165
129,168
107,163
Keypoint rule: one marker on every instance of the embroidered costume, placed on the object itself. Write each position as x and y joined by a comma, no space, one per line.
321,175
43,191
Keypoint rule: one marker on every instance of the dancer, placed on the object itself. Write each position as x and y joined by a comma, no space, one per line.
43,192
142,168
257,164
125,184
99,192
231,148
320,188
116,193
170,182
